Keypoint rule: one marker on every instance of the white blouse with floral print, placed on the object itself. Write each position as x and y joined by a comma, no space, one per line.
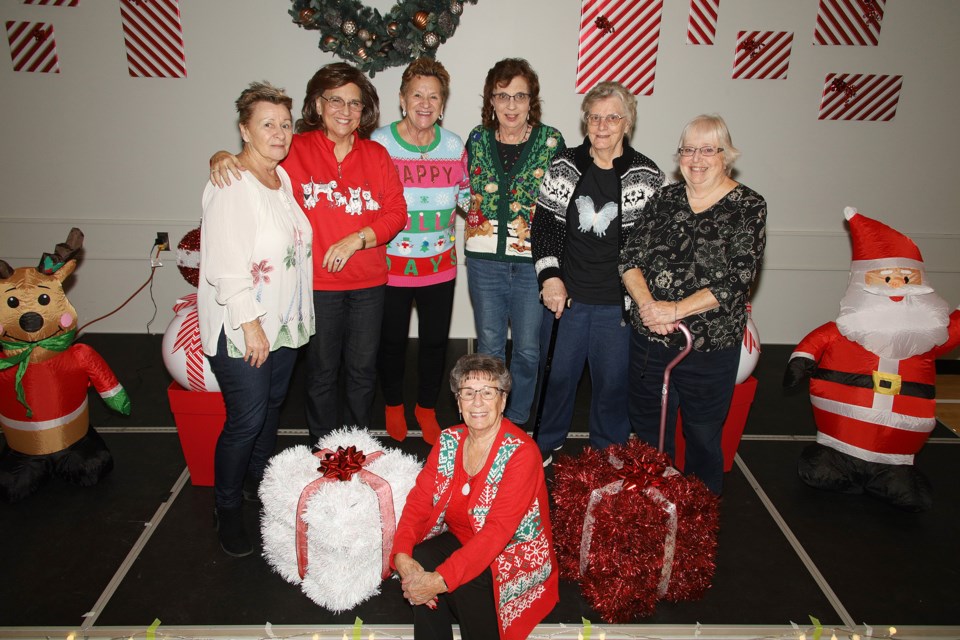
255,262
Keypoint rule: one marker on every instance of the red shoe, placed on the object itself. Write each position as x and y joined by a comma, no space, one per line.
396,422
427,418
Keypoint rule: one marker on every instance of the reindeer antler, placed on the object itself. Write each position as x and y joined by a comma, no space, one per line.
65,251
5,270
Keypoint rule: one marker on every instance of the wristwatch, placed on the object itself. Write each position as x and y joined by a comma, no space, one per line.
363,239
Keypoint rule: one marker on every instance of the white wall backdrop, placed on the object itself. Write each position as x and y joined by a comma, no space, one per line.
123,158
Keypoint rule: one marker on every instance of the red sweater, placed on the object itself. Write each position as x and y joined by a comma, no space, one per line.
364,190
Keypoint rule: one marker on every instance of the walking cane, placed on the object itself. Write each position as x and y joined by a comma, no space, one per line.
666,381
546,370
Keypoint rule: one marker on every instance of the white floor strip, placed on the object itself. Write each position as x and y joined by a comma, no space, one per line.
90,618
795,543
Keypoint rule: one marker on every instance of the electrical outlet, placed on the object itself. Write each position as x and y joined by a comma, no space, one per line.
162,241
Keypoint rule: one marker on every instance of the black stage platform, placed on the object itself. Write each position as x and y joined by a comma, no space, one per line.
107,561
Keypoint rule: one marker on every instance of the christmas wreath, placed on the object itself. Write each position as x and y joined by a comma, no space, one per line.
359,34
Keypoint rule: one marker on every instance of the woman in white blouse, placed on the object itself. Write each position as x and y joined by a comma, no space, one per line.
255,302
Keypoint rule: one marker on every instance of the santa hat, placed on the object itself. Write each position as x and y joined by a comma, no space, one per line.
876,242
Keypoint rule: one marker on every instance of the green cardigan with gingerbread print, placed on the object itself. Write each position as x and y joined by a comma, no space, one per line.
502,203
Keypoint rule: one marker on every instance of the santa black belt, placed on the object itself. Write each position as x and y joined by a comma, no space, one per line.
884,383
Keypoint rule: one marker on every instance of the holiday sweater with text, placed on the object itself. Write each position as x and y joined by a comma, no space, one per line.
435,183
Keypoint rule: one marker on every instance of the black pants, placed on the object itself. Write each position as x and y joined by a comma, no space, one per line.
434,308
471,604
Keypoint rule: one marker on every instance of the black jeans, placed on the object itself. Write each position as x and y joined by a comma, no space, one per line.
471,604
347,339
252,397
434,309
701,386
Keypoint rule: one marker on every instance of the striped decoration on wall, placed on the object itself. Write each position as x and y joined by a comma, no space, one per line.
855,96
762,55
154,38
619,41
33,47
849,22
702,24
53,3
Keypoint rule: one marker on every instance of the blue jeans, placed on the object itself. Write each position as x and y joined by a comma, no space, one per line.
347,339
594,334
701,386
502,294
252,397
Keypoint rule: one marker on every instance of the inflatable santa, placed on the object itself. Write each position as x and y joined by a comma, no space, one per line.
872,372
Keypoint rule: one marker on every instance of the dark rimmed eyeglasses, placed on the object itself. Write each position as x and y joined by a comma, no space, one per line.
487,393
339,104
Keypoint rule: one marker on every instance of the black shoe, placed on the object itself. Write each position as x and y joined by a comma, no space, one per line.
231,532
547,459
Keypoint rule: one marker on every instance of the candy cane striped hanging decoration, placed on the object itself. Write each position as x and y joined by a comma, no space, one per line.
702,24
33,47
619,41
855,96
154,38
53,3
762,55
849,22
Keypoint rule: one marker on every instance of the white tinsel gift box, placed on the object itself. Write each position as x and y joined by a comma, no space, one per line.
342,531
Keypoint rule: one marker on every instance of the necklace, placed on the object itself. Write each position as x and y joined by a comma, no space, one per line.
423,149
465,489
526,134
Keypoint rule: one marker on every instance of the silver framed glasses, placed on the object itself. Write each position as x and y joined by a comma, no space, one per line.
705,151
504,98
339,104
468,394
612,119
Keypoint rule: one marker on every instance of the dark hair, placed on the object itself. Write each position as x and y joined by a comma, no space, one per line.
481,366
500,75
334,76
427,68
260,92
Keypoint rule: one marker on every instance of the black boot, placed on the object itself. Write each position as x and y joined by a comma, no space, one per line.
251,489
232,534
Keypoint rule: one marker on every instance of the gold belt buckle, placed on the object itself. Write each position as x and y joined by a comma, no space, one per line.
887,384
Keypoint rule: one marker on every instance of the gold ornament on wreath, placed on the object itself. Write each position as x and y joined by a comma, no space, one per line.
349,29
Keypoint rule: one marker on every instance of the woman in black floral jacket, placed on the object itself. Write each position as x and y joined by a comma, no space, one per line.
693,257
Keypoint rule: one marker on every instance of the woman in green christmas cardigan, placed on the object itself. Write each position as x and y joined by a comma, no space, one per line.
508,154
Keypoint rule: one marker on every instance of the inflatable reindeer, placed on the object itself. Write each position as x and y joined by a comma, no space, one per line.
44,379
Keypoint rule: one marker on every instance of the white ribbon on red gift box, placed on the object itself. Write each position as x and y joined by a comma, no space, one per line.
615,487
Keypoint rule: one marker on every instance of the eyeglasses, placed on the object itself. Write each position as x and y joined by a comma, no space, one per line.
707,151
487,393
612,119
337,104
504,98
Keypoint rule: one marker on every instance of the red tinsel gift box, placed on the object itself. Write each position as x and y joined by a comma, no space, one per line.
640,530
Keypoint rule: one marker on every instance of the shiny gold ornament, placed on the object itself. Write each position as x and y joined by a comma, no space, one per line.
431,40
349,27
362,53
306,16
329,43
420,19
393,28
363,34
456,7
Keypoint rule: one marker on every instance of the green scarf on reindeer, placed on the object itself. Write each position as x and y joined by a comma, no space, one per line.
59,342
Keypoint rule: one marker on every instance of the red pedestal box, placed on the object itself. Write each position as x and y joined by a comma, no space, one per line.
199,416
732,427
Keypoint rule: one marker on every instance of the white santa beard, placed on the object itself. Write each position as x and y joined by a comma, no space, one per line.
894,330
